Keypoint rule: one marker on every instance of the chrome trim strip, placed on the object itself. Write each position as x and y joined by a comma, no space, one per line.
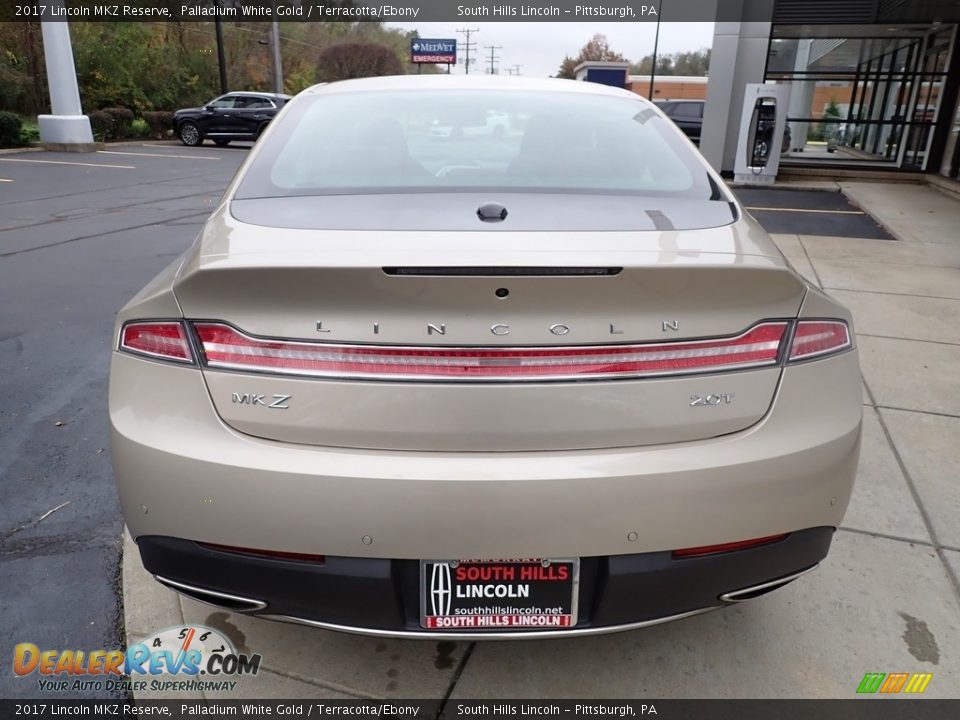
187,589
513,635
732,596
626,375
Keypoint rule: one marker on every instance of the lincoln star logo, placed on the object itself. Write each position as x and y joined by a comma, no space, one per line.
440,589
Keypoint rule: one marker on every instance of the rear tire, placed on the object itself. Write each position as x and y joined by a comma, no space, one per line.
263,126
189,133
221,143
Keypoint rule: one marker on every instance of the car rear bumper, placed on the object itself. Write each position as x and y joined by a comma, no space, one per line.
182,473
381,596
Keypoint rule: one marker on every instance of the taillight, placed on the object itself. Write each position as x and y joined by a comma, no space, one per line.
727,547
226,347
160,339
814,338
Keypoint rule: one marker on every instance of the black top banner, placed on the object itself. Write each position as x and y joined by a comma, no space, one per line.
393,10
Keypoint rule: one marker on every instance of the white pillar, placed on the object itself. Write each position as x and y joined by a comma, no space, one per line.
67,125
738,57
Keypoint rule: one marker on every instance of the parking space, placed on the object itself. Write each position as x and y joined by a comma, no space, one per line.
81,233
809,212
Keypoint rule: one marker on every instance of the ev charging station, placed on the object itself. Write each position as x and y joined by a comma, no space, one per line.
762,126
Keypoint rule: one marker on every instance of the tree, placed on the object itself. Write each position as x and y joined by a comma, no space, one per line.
356,60
597,49
169,65
693,63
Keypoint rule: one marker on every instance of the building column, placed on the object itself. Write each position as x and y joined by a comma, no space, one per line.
738,57
67,128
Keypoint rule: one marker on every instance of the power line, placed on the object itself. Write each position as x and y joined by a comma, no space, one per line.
493,58
468,46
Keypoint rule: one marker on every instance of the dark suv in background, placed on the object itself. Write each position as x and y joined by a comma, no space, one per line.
686,115
234,116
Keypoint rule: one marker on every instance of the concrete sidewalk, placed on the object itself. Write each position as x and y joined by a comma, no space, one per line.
887,599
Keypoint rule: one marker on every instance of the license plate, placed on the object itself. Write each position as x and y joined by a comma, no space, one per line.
478,595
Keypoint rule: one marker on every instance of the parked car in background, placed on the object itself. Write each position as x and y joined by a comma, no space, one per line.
551,383
234,116
686,115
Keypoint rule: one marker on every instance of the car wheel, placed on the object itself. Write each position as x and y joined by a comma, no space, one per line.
221,143
263,126
190,134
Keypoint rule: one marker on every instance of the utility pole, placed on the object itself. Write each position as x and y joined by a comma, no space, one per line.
656,42
221,60
275,47
493,58
277,64
468,46
515,70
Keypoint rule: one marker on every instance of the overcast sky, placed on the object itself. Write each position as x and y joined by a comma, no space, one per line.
540,47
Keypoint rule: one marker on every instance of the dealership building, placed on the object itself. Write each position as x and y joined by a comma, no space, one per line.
873,83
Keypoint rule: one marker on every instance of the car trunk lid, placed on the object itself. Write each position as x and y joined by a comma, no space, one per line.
434,295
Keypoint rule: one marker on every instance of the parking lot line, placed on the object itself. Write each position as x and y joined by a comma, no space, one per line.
65,162
160,155
5,180
181,147
806,210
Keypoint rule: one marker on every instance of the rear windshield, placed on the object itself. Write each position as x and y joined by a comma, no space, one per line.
463,140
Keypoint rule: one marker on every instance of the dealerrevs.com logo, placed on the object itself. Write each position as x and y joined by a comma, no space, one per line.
191,658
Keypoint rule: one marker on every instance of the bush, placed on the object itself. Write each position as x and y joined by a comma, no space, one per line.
102,125
349,60
30,132
139,128
160,123
122,119
10,127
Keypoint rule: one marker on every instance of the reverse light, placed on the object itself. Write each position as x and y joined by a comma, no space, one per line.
225,347
166,340
727,547
814,338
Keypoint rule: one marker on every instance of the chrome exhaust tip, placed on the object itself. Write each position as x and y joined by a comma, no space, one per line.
218,599
754,591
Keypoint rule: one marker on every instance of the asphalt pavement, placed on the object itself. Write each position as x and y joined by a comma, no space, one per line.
79,235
